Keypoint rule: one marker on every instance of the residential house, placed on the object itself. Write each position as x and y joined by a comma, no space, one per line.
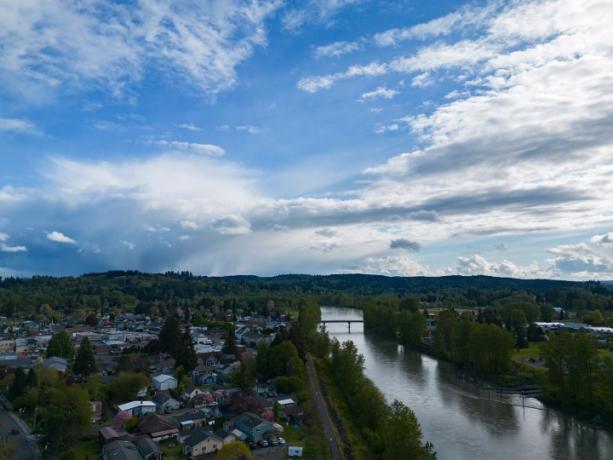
137,408
201,442
54,362
226,436
165,403
157,428
191,393
120,450
191,420
255,427
148,449
111,433
164,382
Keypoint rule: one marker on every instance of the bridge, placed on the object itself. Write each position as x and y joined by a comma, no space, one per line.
344,321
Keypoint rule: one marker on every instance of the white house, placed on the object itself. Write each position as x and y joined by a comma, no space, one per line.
137,408
164,382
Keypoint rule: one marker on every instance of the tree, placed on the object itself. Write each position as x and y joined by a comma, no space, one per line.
61,346
229,346
234,450
66,418
186,357
246,377
519,321
84,363
401,436
18,387
125,385
170,336
284,360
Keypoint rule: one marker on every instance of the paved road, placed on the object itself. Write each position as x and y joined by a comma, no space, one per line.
322,409
25,444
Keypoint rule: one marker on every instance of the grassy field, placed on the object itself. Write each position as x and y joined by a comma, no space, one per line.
533,351
86,450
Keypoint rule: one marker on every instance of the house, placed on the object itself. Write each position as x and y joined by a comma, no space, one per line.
201,442
107,434
148,449
164,382
165,403
256,428
137,408
57,363
204,377
226,436
120,450
191,420
157,428
191,393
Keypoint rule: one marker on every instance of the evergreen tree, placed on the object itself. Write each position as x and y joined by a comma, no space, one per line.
170,336
85,363
60,346
229,346
32,380
186,357
19,384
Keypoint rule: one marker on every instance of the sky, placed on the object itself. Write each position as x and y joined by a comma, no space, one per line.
317,136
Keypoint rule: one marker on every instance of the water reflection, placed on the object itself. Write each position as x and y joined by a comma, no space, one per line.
459,418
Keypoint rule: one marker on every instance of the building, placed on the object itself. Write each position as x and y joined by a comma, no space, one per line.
137,408
256,428
165,403
191,420
164,382
157,428
148,449
54,362
120,450
201,442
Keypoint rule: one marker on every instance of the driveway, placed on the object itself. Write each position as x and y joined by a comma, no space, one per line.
25,444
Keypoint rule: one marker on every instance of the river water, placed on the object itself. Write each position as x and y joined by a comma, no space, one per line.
462,421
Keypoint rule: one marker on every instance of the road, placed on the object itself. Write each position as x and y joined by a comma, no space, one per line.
25,444
324,413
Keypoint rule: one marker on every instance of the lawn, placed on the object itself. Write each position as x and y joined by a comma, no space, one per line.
604,352
86,450
533,351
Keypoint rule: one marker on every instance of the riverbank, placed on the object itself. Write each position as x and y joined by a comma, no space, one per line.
463,421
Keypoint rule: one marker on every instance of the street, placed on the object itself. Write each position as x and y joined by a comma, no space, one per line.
25,444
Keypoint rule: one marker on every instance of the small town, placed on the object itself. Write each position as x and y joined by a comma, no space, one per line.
185,403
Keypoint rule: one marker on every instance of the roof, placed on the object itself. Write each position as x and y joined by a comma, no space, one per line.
121,450
55,361
134,404
250,419
162,397
152,423
285,402
199,436
146,446
163,378
190,416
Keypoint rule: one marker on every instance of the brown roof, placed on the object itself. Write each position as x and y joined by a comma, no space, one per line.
152,423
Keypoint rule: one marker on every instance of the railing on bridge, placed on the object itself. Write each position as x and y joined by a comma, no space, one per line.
348,321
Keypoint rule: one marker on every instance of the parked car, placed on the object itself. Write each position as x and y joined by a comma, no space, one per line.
281,440
263,443
274,441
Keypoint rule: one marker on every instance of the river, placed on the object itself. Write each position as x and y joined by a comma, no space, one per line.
462,421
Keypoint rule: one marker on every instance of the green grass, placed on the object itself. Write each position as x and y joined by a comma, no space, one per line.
604,352
88,449
533,351
293,436
171,450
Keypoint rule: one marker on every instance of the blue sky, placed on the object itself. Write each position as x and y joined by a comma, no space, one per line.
323,136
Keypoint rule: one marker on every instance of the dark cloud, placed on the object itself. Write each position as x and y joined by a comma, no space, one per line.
402,243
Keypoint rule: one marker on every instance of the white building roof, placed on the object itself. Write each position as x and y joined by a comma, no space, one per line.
162,378
285,402
134,404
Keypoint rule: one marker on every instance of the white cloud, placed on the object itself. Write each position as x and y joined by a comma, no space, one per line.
105,125
391,266
59,237
583,260
422,80
314,11
194,147
189,127
57,42
379,93
336,49
478,265
4,247
19,126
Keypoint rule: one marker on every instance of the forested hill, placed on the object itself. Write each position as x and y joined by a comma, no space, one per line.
140,291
